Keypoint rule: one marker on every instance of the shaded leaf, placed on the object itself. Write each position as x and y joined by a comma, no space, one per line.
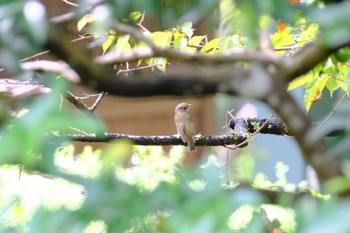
229,43
332,86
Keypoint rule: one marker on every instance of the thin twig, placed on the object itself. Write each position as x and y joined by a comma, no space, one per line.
98,101
82,38
333,110
81,106
287,48
134,69
69,3
252,136
34,56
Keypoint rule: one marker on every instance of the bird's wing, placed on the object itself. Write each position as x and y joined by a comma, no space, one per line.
181,129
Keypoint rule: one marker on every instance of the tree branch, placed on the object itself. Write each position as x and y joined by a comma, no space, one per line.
272,126
215,140
233,56
309,56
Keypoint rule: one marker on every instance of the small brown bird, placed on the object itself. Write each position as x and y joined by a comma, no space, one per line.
185,125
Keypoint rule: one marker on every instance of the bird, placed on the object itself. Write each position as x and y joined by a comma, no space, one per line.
184,125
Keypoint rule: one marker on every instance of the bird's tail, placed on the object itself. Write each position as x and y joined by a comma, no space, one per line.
191,146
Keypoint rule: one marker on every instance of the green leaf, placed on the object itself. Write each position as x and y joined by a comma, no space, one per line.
180,41
135,15
187,29
32,129
343,77
228,43
122,44
241,217
300,81
282,38
308,35
314,90
342,55
332,86
211,45
196,40
193,43
161,39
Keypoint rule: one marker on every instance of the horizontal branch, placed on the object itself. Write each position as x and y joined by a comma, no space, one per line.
233,56
250,125
273,126
215,140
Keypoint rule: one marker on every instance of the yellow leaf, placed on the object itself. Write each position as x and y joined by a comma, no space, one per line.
300,81
313,90
211,45
83,21
108,43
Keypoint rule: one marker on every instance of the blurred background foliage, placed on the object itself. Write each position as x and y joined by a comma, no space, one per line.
47,186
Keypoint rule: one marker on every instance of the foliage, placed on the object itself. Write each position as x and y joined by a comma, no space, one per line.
47,186
142,205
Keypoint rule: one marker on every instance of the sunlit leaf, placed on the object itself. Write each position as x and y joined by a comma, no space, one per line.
307,35
121,44
135,15
196,40
241,217
211,45
300,81
108,43
161,39
180,41
187,29
84,21
282,38
193,43
313,90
